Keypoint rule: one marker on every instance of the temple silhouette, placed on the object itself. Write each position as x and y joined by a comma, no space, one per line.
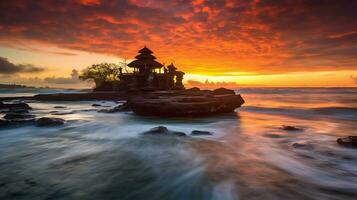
149,74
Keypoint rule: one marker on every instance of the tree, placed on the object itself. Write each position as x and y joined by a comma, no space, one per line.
100,73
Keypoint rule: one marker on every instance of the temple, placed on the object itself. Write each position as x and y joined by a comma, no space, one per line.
149,74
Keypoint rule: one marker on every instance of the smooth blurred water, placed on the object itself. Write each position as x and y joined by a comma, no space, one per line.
105,156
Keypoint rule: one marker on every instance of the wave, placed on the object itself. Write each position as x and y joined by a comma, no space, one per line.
331,112
293,90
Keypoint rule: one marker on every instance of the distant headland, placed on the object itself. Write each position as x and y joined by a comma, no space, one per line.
14,86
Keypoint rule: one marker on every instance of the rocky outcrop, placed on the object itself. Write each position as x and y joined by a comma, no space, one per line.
14,106
120,108
16,122
185,105
81,96
47,121
18,116
222,91
162,130
168,103
59,107
4,123
303,146
200,133
291,128
350,141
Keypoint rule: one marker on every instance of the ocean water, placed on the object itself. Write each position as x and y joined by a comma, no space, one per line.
105,156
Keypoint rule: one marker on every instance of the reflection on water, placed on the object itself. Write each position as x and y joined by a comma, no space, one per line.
104,156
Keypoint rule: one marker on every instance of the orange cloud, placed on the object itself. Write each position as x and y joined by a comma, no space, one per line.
201,37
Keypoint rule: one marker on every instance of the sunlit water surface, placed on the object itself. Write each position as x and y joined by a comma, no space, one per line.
105,156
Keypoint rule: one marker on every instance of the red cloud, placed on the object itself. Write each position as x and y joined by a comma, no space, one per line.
262,36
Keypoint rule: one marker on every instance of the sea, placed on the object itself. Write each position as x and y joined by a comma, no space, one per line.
248,156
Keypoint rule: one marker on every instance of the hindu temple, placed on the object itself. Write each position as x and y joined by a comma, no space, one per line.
149,74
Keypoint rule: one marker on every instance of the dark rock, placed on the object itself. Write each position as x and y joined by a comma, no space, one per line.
197,133
61,112
120,108
96,105
274,135
222,91
19,106
194,89
303,146
59,107
291,128
47,121
18,111
186,106
4,123
350,141
82,96
162,130
15,116
16,122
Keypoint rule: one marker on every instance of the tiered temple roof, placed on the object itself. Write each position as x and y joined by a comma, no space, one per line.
145,60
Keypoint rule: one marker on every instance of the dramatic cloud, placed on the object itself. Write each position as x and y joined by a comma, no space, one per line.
73,79
7,67
210,36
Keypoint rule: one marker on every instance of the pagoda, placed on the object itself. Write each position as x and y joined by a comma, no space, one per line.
147,74
145,62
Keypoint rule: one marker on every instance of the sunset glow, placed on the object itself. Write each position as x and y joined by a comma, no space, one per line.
242,43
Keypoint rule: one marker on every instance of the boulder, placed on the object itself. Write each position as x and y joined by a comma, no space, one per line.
120,108
194,89
18,106
96,105
162,130
4,123
18,116
199,133
222,91
291,128
350,141
16,122
59,107
62,112
47,121
186,106
18,111
303,146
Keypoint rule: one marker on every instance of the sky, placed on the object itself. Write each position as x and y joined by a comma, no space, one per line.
280,43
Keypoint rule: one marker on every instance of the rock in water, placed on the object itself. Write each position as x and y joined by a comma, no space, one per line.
222,91
303,146
19,106
291,128
194,89
198,133
47,121
4,123
350,141
120,108
186,106
18,116
59,107
96,105
162,130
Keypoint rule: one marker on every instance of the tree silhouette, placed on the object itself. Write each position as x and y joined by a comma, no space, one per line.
100,73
